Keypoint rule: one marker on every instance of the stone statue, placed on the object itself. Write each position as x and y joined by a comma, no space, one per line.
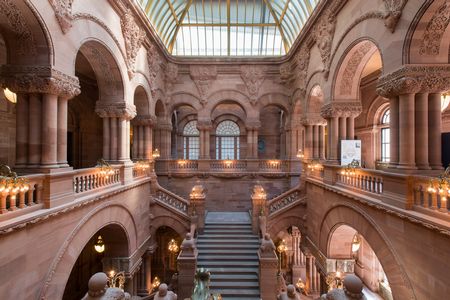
98,289
352,290
290,294
164,294
188,246
267,246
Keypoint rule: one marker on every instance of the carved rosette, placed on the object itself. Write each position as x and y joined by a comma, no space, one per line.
253,77
323,34
203,76
38,79
63,13
115,110
341,109
134,36
415,79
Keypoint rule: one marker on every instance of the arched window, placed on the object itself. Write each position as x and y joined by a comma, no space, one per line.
227,140
191,143
385,137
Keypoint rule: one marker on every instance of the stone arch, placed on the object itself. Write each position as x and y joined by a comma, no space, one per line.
287,220
314,101
106,69
277,99
347,77
229,95
141,84
101,216
172,221
354,217
376,109
160,109
428,37
184,98
142,101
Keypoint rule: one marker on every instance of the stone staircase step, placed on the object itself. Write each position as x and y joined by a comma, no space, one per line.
203,240
227,231
234,277
240,298
223,263
233,271
203,258
213,251
236,292
227,236
240,284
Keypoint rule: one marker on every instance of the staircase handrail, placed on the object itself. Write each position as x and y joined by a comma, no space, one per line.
286,199
171,200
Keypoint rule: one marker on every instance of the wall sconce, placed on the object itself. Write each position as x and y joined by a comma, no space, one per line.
143,165
356,243
116,279
441,186
99,245
228,163
274,163
10,95
11,183
181,162
156,153
106,169
315,165
300,154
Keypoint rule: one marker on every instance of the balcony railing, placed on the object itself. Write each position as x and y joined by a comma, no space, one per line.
91,179
283,201
22,199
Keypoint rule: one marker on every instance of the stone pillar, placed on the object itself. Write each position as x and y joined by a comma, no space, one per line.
135,151
322,142
342,133
204,127
309,142
268,268
22,125
197,206
333,138
165,138
62,131
141,139
34,130
49,157
106,139
113,138
394,131
421,130
406,132
296,261
187,265
123,138
148,144
434,131
315,141
351,127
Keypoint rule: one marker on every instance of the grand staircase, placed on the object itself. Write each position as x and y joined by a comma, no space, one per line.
228,249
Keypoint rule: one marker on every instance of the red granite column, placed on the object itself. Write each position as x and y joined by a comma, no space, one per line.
49,130
309,142
62,131
106,138
315,141
394,131
34,129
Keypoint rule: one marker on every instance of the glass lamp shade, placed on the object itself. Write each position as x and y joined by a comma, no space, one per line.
10,96
100,245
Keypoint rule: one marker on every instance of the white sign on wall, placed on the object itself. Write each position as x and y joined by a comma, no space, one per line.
350,150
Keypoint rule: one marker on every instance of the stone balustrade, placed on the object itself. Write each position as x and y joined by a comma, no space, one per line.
91,179
13,199
274,165
140,170
362,180
183,165
225,165
430,198
172,200
283,201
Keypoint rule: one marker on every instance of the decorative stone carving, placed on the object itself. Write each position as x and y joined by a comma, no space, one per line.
145,120
99,290
311,120
323,34
188,248
252,124
63,13
115,110
414,79
38,79
352,289
351,67
340,109
289,294
287,74
154,65
432,37
170,78
134,36
204,125
267,248
19,26
253,77
164,294
202,77
393,12
98,57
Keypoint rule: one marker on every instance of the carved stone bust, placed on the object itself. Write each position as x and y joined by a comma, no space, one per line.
164,294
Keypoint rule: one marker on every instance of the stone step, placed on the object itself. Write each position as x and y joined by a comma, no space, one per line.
233,271
229,225
223,263
240,298
248,237
233,251
228,241
234,277
237,231
240,285
206,248
239,257
236,292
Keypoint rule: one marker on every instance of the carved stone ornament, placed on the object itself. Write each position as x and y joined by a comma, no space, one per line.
38,79
414,79
204,125
115,110
341,109
154,65
171,75
302,63
313,121
287,73
393,12
434,32
323,34
63,13
134,36
19,26
203,77
253,77
146,120
252,124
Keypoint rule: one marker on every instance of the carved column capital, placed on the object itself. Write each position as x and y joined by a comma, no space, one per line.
415,79
39,79
115,110
146,120
313,121
341,109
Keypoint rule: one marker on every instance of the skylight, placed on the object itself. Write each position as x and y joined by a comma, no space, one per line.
228,27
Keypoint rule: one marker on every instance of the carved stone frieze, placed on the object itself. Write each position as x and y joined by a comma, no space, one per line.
170,77
19,26
253,77
115,110
38,79
154,65
203,76
323,34
434,32
63,13
313,121
341,109
414,79
134,36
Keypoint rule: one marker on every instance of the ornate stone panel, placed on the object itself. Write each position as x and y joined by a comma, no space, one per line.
203,76
63,13
341,109
431,41
133,36
117,110
253,77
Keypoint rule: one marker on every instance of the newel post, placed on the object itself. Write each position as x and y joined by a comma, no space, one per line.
197,205
187,264
268,266
259,209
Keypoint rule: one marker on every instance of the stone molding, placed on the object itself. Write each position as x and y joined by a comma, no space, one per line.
115,110
253,76
134,37
253,124
434,32
203,76
39,79
412,79
341,109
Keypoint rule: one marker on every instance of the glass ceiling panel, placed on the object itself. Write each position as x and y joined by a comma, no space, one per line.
228,27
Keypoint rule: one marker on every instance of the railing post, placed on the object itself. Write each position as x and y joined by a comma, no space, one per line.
187,264
197,205
268,266
259,208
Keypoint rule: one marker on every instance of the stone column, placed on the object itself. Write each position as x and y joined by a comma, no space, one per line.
187,265
322,142
296,263
106,138
197,206
394,131
421,130
434,131
268,268
259,198
406,132
204,128
148,144
62,131
333,138
315,141
22,125
309,142
141,138
113,138
351,127
123,137
135,151
342,133
49,131
34,130
165,138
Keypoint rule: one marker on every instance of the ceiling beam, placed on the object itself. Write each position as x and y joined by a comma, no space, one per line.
183,14
284,10
172,10
277,21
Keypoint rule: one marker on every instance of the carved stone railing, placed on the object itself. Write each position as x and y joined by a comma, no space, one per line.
183,165
172,200
140,171
91,179
274,165
22,199
226,165
429,199
362,180
284,201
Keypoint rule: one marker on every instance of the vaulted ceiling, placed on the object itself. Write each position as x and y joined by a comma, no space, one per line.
228,27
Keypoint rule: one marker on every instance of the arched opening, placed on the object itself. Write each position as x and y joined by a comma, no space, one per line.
90,261
316,131
191,140
139,132
158,132
185,138
349,252
227,140
272,134
164,260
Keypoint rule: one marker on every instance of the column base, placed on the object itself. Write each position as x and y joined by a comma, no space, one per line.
406,166
436,167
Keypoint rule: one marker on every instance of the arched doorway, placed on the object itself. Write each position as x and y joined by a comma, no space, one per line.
164,260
